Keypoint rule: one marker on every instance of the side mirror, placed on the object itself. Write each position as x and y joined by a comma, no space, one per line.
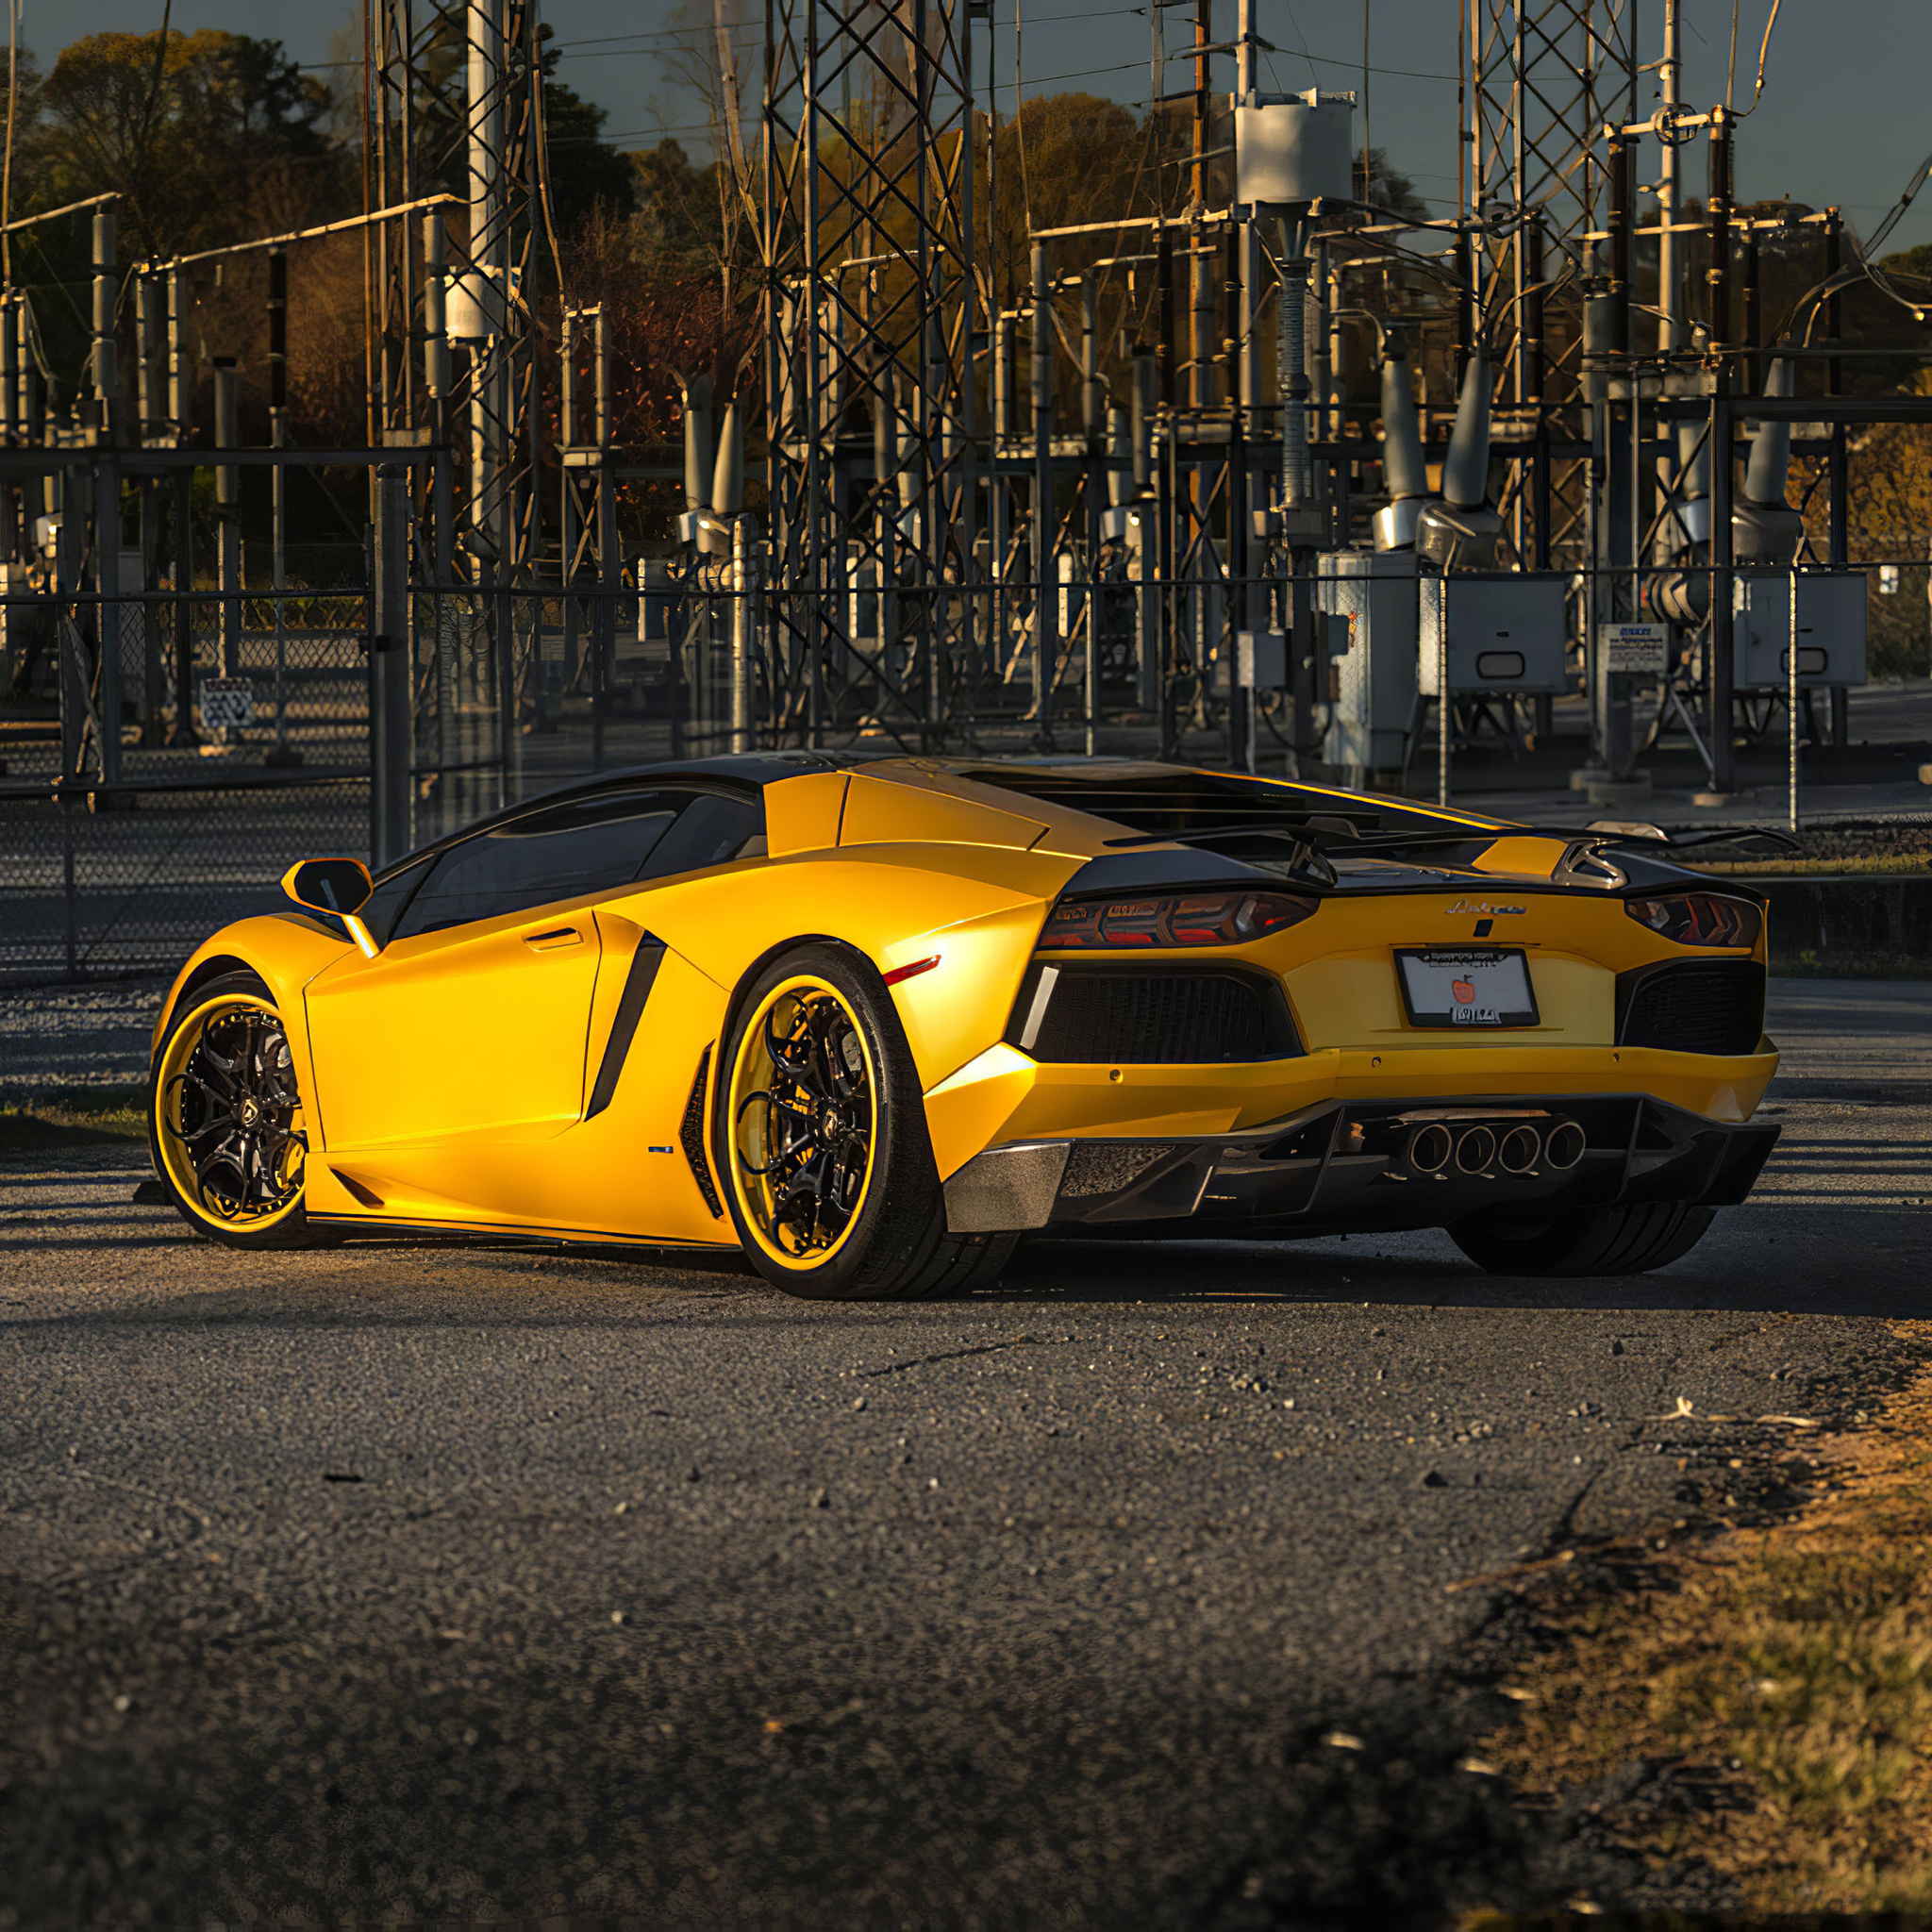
337,886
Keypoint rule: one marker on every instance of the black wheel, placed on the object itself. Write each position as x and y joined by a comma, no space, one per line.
226,1127
820,1132
1592,1241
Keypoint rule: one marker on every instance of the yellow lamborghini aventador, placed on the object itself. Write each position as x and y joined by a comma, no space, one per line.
874,1017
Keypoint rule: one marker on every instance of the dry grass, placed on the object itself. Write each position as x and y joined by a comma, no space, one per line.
1784,1679
73,1117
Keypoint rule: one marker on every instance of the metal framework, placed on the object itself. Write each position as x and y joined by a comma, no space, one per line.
1539,83
873,309
968,539
455,102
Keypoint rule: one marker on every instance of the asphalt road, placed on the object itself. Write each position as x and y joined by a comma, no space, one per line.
1156,1586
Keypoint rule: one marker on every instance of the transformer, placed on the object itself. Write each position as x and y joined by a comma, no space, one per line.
1294,148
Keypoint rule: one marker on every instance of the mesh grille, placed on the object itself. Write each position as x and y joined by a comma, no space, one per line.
1700,1005
1107,1167
1162,1018
690,1135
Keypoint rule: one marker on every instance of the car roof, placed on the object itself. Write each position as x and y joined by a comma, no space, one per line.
1139,794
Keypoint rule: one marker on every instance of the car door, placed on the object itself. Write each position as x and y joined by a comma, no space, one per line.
472,1022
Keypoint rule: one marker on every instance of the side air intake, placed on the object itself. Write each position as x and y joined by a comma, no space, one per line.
690,1135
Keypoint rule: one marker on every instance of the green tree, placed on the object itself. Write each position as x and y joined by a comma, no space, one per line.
585,171
207,137
1062,159
677,205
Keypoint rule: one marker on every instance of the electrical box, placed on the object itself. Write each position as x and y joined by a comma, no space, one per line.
1260,661
1294,148
862,603
1502,632
660,602
1370,681
1831,628
1073,598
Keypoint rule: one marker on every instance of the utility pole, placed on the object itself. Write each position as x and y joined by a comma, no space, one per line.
1670,329
390,711
280,753
107,377
228,514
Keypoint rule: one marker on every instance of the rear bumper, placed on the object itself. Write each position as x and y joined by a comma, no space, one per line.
1337,1165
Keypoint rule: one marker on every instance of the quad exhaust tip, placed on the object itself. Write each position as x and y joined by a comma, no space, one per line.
1476,1148
1433,1149
1519,1150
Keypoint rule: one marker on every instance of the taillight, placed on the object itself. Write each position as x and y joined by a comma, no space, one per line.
1699,919
1173,919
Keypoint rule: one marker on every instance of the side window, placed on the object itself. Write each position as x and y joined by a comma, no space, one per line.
385,904
570,849
588,846
709,830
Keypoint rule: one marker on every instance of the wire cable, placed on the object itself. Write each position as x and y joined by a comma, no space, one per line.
1763,50
543,136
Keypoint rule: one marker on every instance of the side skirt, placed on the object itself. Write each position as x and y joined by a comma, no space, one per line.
471,1233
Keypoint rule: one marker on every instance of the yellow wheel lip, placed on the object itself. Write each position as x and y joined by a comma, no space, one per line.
739,1085
180,1174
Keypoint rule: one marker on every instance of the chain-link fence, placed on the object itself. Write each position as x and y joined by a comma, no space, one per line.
245,723
136,885
210,799
243,729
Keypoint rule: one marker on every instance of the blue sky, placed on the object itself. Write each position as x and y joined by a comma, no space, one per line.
1846,114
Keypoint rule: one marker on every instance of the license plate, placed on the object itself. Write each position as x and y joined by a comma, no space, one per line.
1475,986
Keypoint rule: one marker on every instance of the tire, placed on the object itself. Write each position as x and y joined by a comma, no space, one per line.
245,1187
819,1136
1594,1241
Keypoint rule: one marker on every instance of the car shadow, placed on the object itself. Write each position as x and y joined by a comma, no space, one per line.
1854,1259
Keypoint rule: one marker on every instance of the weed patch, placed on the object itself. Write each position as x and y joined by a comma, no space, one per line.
73,1117
1772,1692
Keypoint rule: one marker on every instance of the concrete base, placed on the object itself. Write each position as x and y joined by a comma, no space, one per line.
1635,790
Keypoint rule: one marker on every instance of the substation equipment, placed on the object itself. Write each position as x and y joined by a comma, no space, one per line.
1276,476
1133,488
464,514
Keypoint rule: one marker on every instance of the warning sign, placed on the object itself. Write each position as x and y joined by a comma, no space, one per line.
227,704
1634,649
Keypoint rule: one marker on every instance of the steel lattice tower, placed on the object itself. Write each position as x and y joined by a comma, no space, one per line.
872,324
1538,82
455,105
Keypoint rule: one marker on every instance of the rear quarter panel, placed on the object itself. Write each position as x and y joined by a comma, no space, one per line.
978,908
